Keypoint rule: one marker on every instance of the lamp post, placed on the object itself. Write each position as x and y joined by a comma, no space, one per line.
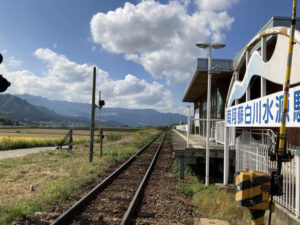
210,46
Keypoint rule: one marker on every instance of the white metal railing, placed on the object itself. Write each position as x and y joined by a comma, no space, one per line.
252,148
219,133
182,127
196,132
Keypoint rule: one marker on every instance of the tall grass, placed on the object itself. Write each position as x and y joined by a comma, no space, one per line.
57,176
109,137
7,143
114,137
210,202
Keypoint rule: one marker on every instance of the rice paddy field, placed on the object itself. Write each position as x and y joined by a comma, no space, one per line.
52,133
15,138
38,182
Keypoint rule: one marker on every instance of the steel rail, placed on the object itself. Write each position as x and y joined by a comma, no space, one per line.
138,195
68,215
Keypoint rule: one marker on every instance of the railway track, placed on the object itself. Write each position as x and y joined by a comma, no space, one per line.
115,199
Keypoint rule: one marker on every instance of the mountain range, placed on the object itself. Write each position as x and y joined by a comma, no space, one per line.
21,111
31,109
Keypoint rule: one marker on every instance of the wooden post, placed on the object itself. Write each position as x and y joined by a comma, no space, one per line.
92,118
181,167
70,140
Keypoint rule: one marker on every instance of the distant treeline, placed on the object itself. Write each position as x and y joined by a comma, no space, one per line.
127,129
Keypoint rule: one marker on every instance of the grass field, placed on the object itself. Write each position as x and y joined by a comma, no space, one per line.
15,138
210,202
54,133
56,175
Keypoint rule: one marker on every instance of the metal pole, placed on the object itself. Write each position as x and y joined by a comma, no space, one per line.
101,143
282,135
92,118
189,115
297,161
99,112
248,92
100,131
263,83
226,155
187,133
188,129
208,117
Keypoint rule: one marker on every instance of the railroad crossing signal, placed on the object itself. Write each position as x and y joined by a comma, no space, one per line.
4,84
101,103
101,136
255,190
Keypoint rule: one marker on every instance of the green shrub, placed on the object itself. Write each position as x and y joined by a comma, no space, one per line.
113,137
8,143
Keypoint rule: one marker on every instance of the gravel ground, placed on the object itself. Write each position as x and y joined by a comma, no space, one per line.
6,154
162,202
111,204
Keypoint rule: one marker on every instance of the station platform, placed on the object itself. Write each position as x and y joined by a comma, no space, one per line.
196,149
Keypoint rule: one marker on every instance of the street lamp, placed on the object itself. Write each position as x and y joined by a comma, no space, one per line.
210,46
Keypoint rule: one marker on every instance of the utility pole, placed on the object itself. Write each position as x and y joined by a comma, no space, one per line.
92,127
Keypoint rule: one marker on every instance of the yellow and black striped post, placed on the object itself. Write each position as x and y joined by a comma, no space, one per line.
257,217
281,153
253,192
282,135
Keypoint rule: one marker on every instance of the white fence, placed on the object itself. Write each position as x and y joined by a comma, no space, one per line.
196,130
219,133
252,149
182,127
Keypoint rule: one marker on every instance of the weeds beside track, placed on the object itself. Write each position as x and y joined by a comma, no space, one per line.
57,175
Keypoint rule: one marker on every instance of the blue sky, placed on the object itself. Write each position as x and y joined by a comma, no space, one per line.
144,50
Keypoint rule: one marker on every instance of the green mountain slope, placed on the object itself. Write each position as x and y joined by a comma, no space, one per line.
20,110
131,117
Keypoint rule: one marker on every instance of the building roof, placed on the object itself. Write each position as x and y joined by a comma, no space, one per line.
197,87
275,21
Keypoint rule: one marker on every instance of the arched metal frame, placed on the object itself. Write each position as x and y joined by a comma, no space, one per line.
271,31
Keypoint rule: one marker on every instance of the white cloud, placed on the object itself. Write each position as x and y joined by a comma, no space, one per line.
215,5
13,62
160,37
68,80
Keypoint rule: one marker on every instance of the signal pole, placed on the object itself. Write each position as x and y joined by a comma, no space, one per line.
100,130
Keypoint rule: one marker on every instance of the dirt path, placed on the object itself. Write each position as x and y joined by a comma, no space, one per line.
6,154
